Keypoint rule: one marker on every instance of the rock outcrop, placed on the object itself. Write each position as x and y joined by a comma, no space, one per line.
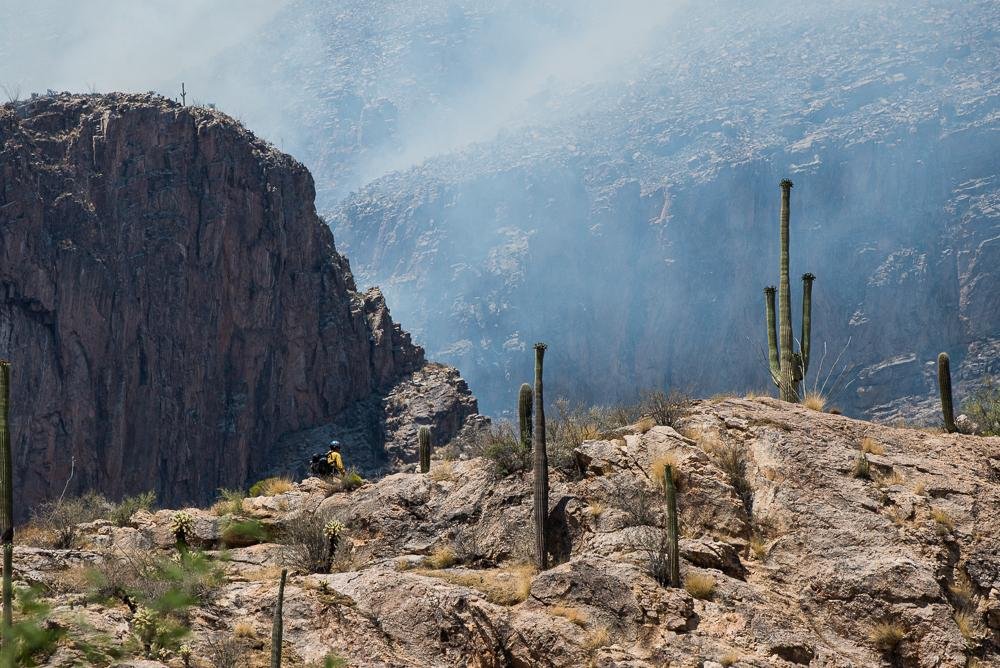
174,307
789,555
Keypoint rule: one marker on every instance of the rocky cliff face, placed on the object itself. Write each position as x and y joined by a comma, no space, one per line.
172,304
789,556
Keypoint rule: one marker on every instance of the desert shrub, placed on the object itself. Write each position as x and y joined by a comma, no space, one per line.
230,502
731,459
271,486
654,542
307,544
139,578
642,506
32,638
664,408
983,408
226,651
241,533
62,517
121,514
499,443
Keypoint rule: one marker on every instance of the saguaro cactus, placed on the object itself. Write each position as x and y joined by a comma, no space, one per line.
673,551
424,439
944,385
6,497
540,465
524,399
787,366
277,625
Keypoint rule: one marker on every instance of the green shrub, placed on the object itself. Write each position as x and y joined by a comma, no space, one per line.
983,408
121,514
501,445
241,533
351,480
140,578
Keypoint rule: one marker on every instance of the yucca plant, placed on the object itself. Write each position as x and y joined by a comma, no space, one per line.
788,367
540,465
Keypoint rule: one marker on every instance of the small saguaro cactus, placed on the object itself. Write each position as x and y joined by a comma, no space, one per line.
540,465
673,551
180,525
424,439
6,497
944,385
277,625
524,399
788,367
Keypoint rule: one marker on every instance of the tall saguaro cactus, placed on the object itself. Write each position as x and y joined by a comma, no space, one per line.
424,439
787,366
944,385
673,551
6,498
540,465
524,399
277,625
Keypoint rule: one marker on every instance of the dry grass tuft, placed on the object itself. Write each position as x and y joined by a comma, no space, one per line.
730,658
272,486
758,548
442,557
657,467
503,586
442,472
596,509
645,424
920,488
886,636
596,639
264,574
967,623
753,395
945,523
894,478
574,615
699,585
961,591
814,401
33,535
244,630
872,447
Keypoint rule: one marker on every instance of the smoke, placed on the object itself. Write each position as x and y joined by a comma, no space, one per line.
119,45
597,43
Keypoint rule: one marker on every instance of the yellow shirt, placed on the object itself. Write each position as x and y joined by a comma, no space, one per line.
334,460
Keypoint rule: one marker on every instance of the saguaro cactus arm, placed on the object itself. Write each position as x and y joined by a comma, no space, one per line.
944,386
524,399
540,465
772,336
807,287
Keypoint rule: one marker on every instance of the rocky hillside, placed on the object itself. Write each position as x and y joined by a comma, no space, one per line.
623,207
174,308
791,554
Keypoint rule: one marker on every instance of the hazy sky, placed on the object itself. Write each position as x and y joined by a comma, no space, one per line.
132,45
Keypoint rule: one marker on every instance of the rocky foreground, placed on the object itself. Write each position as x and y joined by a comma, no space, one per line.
793,553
